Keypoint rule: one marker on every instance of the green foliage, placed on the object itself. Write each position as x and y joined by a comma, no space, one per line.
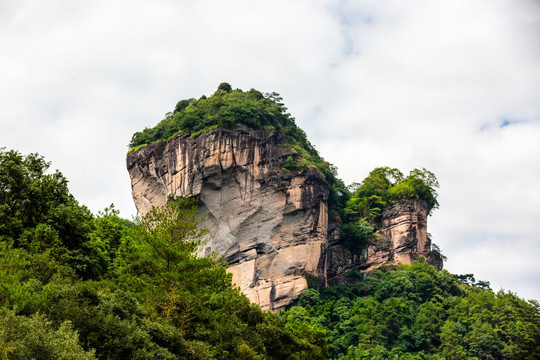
111,321
227,108
167,239
78,286
38,213
226,87
290,164
385,186
35,337
313,281
355,235
419,312
436,252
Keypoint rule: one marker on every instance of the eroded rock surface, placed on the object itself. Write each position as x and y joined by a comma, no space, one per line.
401,239
271,225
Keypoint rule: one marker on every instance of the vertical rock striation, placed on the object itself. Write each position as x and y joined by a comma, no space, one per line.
401,239
272,226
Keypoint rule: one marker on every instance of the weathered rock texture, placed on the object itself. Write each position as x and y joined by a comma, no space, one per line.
401,239
271,225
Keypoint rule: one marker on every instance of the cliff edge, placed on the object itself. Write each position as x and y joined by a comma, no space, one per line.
271,225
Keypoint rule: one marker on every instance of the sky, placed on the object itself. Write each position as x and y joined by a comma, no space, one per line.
452,86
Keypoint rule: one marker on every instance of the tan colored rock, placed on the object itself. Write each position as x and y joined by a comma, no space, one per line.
405,224
401,239
272,226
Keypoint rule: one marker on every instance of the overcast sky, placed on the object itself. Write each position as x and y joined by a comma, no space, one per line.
452,86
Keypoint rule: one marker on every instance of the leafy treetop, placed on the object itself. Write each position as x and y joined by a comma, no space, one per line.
226,108
384,186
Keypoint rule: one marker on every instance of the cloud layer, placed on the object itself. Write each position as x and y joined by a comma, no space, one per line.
447,85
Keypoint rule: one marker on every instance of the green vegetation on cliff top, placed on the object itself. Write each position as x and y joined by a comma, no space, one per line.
226,108
359,206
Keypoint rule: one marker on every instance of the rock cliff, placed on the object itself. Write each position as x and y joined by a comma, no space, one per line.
271,225
401,239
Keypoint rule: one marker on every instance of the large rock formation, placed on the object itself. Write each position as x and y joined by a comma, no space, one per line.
271,225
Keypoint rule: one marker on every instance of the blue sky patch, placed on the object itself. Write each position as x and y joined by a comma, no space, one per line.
505,122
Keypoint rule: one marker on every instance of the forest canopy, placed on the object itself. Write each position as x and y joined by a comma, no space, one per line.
77,285
418,312
74,285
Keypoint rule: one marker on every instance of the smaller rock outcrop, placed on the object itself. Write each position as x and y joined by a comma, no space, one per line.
401,238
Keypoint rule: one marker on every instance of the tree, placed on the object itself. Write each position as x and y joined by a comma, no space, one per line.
225,87
167,239
181,105
355,235
38,213
419,184
35,337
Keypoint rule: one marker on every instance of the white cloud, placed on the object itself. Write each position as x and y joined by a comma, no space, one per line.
373,83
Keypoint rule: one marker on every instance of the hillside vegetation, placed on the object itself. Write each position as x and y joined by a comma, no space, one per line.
419,312
227,108
74,285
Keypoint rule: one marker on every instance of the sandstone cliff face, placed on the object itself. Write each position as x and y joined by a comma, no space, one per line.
272,226
401,239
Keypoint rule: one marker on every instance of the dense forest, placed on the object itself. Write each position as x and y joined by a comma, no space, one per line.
74,285
419,312
78,285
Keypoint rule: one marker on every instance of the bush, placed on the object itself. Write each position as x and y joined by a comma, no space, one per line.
385,186
35,337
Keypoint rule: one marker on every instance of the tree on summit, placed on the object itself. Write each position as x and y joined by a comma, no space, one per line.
225,87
